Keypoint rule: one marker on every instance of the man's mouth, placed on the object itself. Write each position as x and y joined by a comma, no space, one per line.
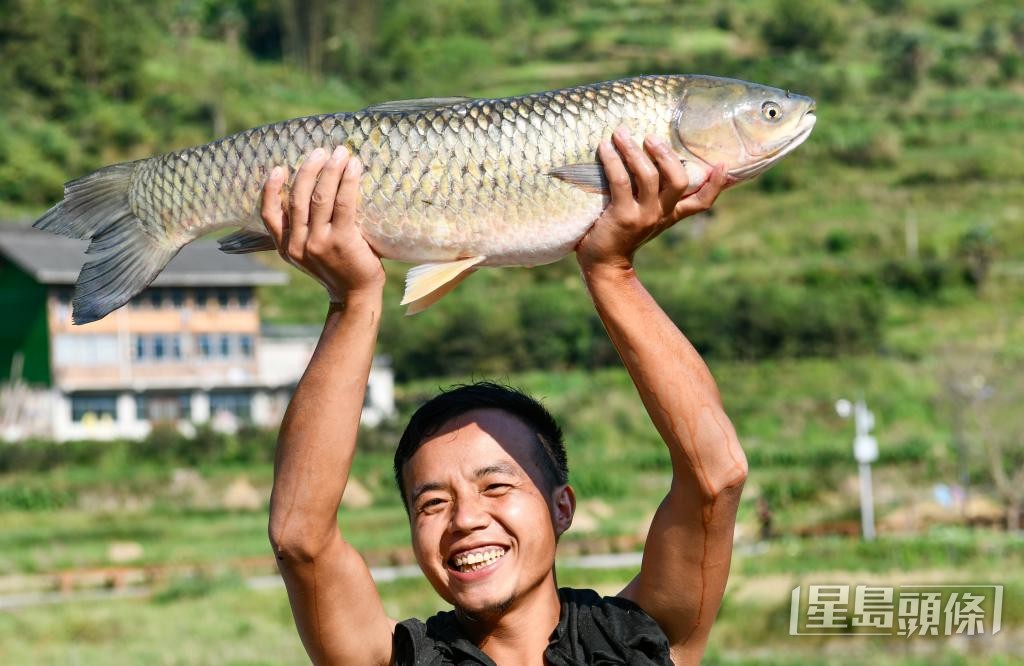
478,558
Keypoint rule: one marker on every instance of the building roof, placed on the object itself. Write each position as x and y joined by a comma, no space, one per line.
52,259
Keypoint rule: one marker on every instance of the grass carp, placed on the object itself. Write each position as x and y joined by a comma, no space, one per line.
452,184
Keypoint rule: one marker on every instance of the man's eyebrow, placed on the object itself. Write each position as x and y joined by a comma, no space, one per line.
425,488
497,468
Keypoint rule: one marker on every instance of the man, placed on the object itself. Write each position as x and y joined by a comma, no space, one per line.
479,469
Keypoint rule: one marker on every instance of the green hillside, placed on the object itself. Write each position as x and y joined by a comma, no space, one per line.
884,259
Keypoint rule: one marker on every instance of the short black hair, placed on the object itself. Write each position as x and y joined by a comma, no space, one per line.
463,398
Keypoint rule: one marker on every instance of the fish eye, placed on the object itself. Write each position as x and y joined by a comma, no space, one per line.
771,111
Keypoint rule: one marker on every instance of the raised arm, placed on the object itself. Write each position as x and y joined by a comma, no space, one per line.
336,606
689,545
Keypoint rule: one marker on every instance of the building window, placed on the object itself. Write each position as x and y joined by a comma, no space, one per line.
223,298
201,295
178,298
205,347
157,407
225,346
245,345
157,347
155,298
95,406
63,295
237,403
244,297
85,349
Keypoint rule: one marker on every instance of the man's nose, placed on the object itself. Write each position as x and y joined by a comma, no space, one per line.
469,514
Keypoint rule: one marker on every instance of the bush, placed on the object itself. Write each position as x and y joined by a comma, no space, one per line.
753,321
164,444
801,24
20,497
905,56
838,241
924,278
868,148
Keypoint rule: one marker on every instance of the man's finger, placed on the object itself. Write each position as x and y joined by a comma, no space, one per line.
619,184
326,190
674,180
271,206
645,175
348,194
298,203
704,198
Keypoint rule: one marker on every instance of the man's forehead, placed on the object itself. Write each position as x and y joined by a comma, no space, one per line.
500,425
473,441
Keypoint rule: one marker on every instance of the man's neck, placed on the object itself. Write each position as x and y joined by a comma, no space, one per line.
520,634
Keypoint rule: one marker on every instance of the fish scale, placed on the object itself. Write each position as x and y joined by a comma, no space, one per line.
445,181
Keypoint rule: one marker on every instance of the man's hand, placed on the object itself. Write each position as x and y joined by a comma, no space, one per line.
315,229
630,220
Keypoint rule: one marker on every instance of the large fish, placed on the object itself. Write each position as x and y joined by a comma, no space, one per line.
451,184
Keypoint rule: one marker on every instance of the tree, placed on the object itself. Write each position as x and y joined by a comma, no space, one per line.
977,249
984,392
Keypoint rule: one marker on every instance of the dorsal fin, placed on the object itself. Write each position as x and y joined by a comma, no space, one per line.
422,104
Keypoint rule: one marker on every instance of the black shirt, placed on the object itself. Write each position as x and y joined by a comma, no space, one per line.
591,630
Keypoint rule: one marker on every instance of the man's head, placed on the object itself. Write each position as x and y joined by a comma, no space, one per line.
483,474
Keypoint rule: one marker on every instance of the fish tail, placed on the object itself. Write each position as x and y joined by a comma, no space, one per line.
133,252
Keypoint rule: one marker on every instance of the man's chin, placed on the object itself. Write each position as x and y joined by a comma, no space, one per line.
484,610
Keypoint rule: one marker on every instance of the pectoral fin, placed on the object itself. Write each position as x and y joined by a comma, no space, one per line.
588,176
246,240
427,283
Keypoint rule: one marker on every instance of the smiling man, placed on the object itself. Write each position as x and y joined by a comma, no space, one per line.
482,468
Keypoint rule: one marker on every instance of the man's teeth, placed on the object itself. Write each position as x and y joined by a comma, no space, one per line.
477,560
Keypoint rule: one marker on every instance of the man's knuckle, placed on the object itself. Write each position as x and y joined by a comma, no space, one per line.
317,245
318,199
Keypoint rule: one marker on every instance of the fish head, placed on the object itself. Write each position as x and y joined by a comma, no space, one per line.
745,126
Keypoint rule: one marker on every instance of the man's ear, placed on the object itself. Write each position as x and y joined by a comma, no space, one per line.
564,508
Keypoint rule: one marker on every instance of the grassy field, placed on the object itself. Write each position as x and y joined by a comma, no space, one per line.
799,458
68,515
217,620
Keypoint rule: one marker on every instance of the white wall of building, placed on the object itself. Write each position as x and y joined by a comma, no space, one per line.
281,365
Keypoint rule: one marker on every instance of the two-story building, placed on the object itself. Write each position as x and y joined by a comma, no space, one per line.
188,349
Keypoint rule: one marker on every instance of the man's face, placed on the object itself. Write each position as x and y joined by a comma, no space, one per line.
483,526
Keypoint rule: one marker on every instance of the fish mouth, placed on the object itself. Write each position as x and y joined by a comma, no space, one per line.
777,151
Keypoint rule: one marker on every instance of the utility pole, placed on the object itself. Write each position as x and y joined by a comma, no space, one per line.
865,452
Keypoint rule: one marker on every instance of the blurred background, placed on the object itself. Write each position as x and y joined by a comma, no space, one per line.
882,262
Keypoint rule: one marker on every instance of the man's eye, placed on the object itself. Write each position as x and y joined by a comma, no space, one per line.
431,504
494,488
